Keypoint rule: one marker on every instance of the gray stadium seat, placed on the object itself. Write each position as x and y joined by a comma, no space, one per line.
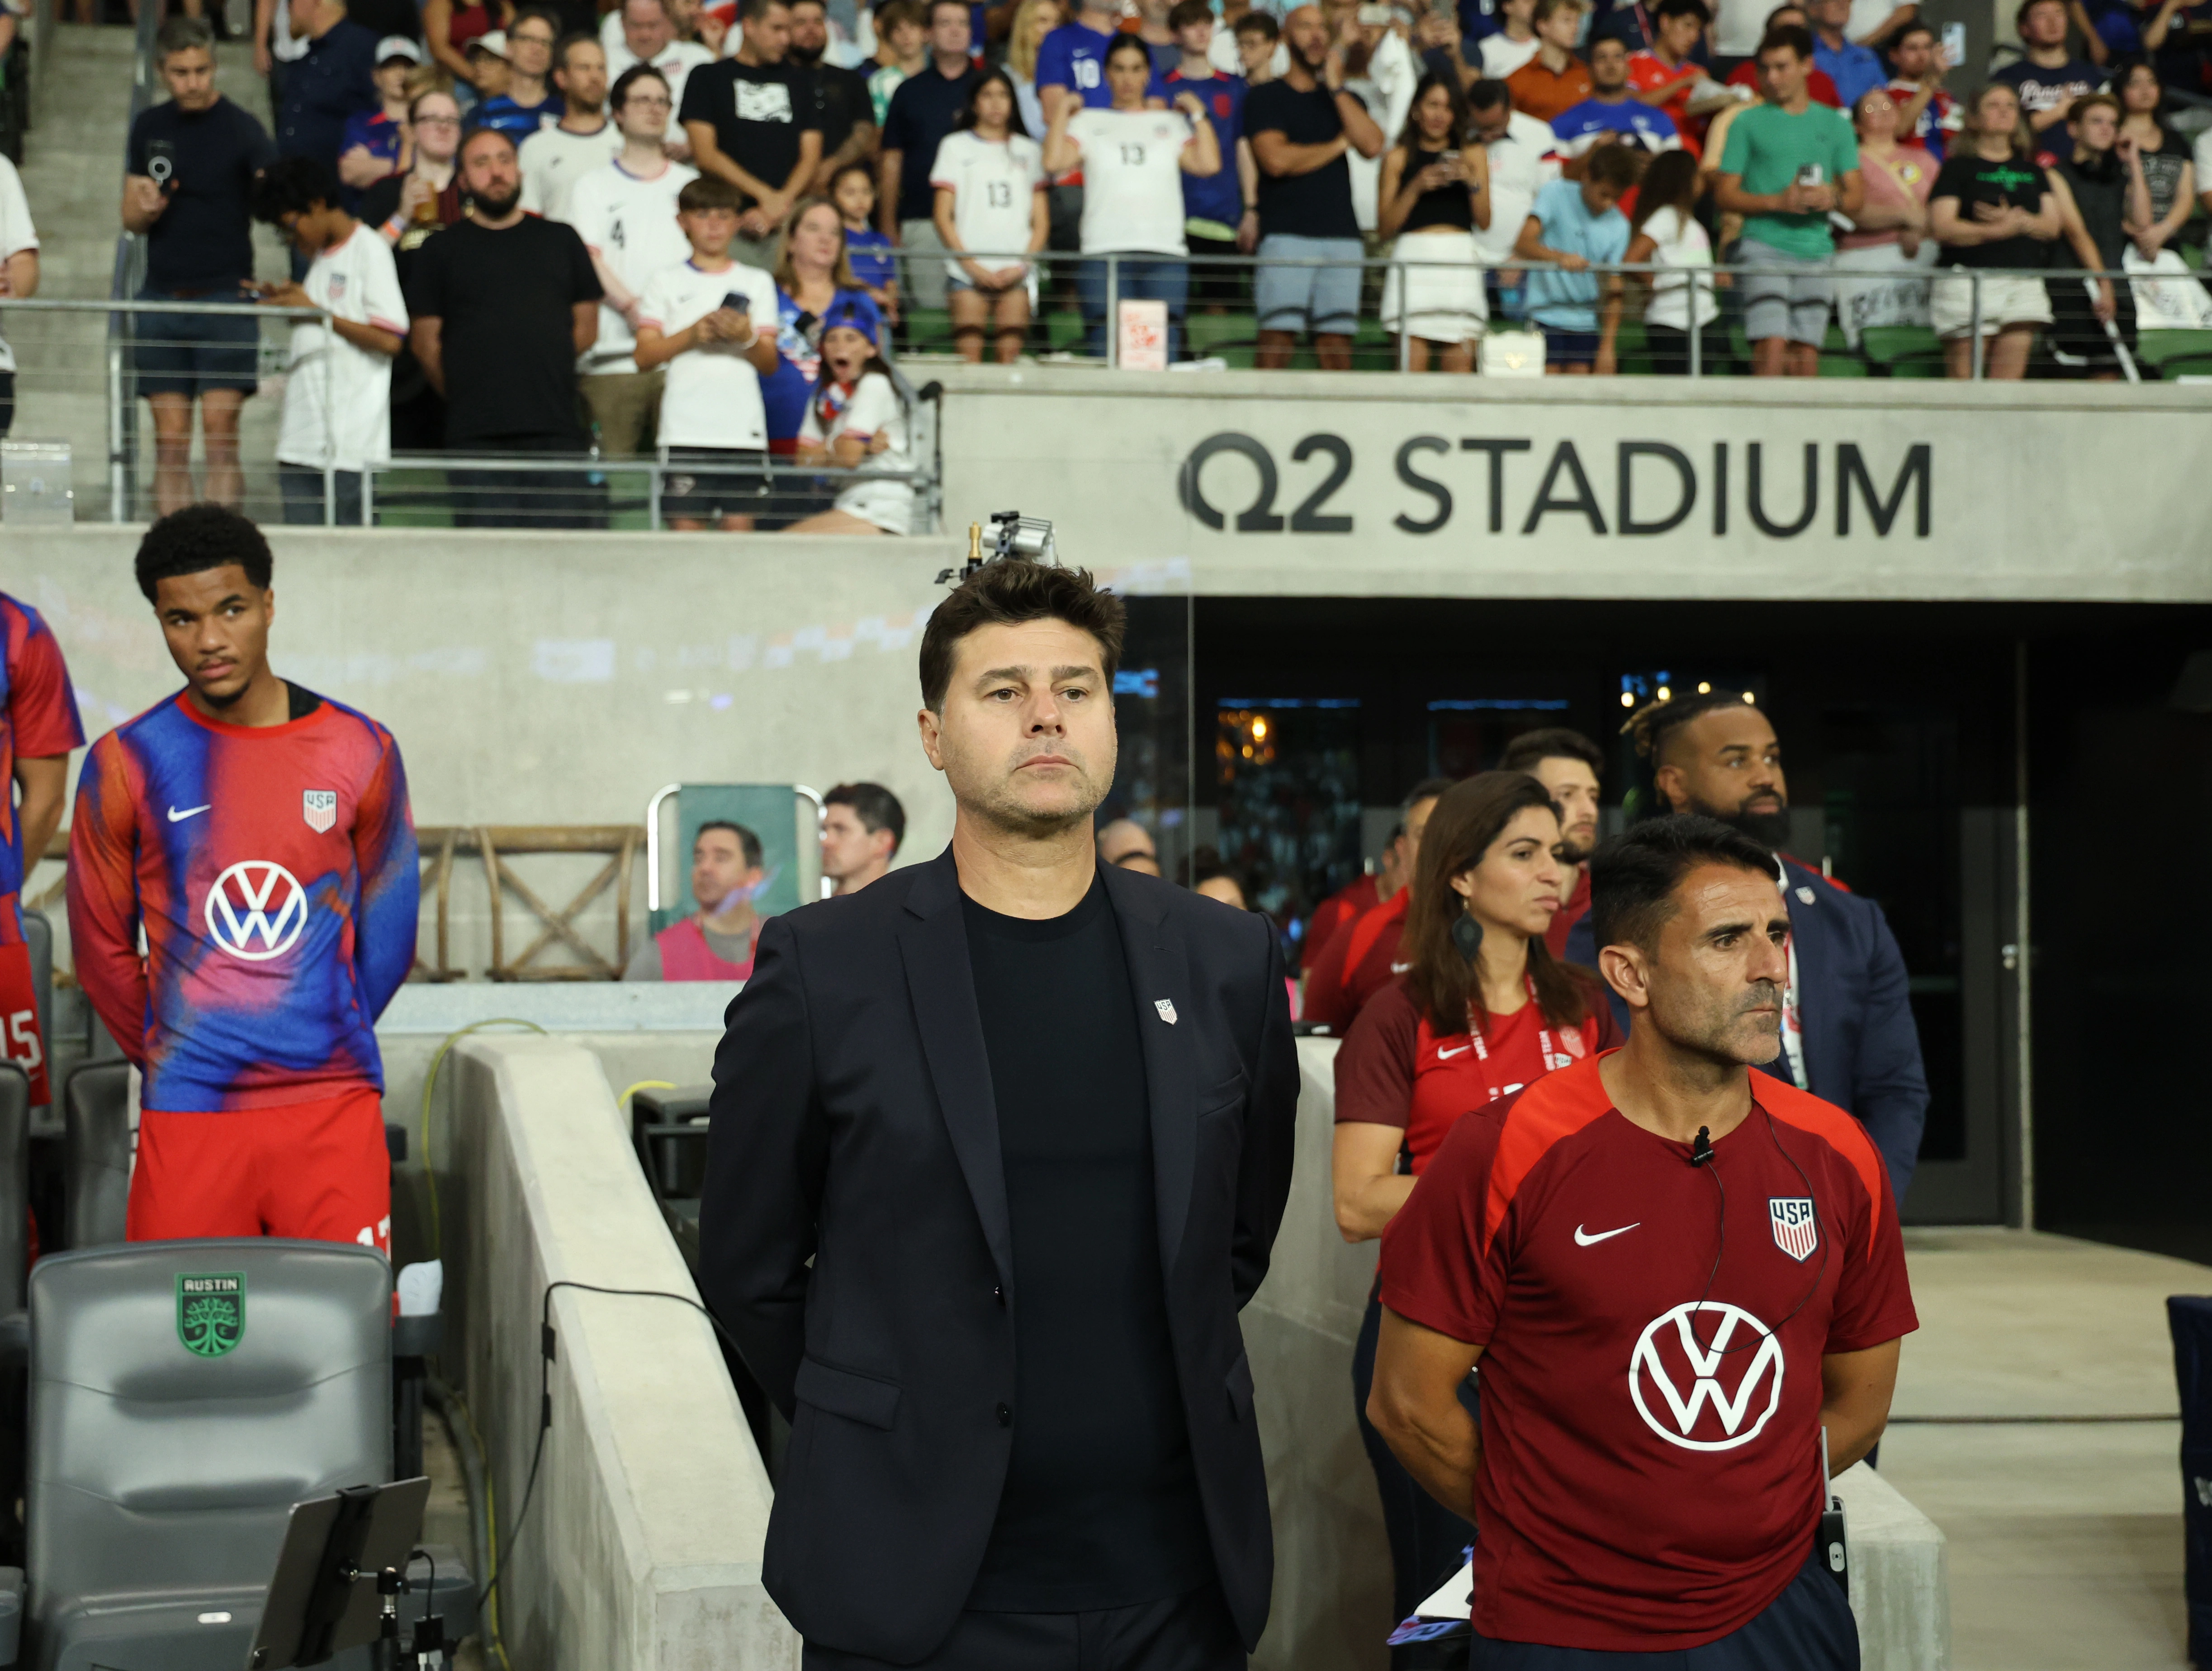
14,1183
95,1153
39,936
166,1447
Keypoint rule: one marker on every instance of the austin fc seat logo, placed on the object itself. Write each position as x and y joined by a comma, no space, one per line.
256,911
1706,1376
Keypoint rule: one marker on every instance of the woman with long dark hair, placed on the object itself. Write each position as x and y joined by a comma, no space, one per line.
990,184
1434,196
1482,1011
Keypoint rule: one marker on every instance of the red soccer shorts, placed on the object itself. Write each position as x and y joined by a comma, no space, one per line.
19,1020
318,1171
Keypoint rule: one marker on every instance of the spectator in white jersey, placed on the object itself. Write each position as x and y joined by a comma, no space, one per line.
1134,158
625,213
337,399
855,421
696,317
18,272
554,159
641,31
990,183
862,825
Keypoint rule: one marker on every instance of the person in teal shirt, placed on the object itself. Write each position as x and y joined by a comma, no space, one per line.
1572,225
1789,162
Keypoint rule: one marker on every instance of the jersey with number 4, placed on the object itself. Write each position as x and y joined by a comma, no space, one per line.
273,869
1652,1334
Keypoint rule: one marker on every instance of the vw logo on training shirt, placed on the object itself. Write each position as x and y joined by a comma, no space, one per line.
256,911
1732,1363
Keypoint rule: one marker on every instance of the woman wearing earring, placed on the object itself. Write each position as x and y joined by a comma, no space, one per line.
1482,1011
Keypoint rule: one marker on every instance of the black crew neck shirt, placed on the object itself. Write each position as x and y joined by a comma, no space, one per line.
758,112
838,99
204,238
2016,182
1100,1506
920,114
1314,206
507,299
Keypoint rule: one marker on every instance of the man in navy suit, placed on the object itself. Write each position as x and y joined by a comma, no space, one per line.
1000,1147
1848,1035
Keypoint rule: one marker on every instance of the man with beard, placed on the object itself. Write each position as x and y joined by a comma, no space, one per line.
838,97
502,305
1567,764
1847,1030
1615,1241
999,1147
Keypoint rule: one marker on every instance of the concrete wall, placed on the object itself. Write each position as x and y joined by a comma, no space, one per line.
1333,1574
643,1548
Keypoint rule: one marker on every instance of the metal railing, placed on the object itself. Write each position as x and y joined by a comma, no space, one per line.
126,277
66,398
1398,273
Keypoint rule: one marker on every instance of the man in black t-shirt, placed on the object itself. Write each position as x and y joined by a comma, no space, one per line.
998,1147
750,121
188,192
920,114
837,98
1300,127
502,304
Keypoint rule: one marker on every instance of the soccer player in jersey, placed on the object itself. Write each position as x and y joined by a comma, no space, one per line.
1676,1274
260,834
38,727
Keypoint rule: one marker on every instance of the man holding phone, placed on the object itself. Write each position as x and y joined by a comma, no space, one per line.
696,318
1925,109
1788,162
188,191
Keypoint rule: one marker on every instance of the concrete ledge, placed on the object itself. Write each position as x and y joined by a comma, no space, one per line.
643,1547
1332,1563
561,1006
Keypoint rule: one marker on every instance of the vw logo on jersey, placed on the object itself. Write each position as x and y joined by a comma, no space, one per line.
1706,1344
256,911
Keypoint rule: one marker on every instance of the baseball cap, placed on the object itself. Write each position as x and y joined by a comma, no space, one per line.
492,41
397,47
855,313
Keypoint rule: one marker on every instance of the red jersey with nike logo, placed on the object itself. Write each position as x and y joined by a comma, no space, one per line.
1396,1068
1649,1477
1359,960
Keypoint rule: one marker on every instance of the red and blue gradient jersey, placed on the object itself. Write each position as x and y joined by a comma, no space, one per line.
38,719
273,868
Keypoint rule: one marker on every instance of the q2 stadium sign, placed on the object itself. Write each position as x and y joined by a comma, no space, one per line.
1516,487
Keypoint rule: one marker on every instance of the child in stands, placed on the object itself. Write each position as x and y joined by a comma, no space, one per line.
874,257
856,421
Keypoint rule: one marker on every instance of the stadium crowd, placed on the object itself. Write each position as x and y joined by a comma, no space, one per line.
706,233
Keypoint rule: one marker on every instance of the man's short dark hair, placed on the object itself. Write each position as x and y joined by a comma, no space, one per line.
1006,592
1797,6
199,537
1697,8
478,130
1632,875
1651,725
1185,13
1614,164
1908,31
751,11
709,192
1429,788
930,10
875,806
1796,37
748,844
2020,13
294,186
1531,748
619,95
550,18
182,34
1487,93
1257,22
568,43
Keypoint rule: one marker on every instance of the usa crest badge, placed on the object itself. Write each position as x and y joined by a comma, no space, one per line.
1797,1229
320,807
211,1312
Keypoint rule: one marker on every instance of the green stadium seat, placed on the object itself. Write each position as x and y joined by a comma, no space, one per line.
1210,333
1063,331
928,329
1902,350
1845,364
2176,353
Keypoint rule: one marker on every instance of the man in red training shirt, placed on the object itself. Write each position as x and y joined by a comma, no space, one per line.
1676,1274
259,834
1360,957
38,727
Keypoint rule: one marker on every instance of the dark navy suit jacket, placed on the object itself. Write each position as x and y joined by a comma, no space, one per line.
1862,1049
855,1238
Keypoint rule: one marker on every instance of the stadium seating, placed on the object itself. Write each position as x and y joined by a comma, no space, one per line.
2175,353
1903,351
95,1153
172,1427
768,810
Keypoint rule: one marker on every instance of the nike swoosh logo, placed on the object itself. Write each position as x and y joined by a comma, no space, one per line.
1585,1241
176,817
1445,1055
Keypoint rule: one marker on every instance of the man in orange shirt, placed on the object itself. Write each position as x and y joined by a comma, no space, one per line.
1555,80
1663,74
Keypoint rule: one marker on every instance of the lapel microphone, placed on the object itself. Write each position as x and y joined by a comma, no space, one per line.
1701,1147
